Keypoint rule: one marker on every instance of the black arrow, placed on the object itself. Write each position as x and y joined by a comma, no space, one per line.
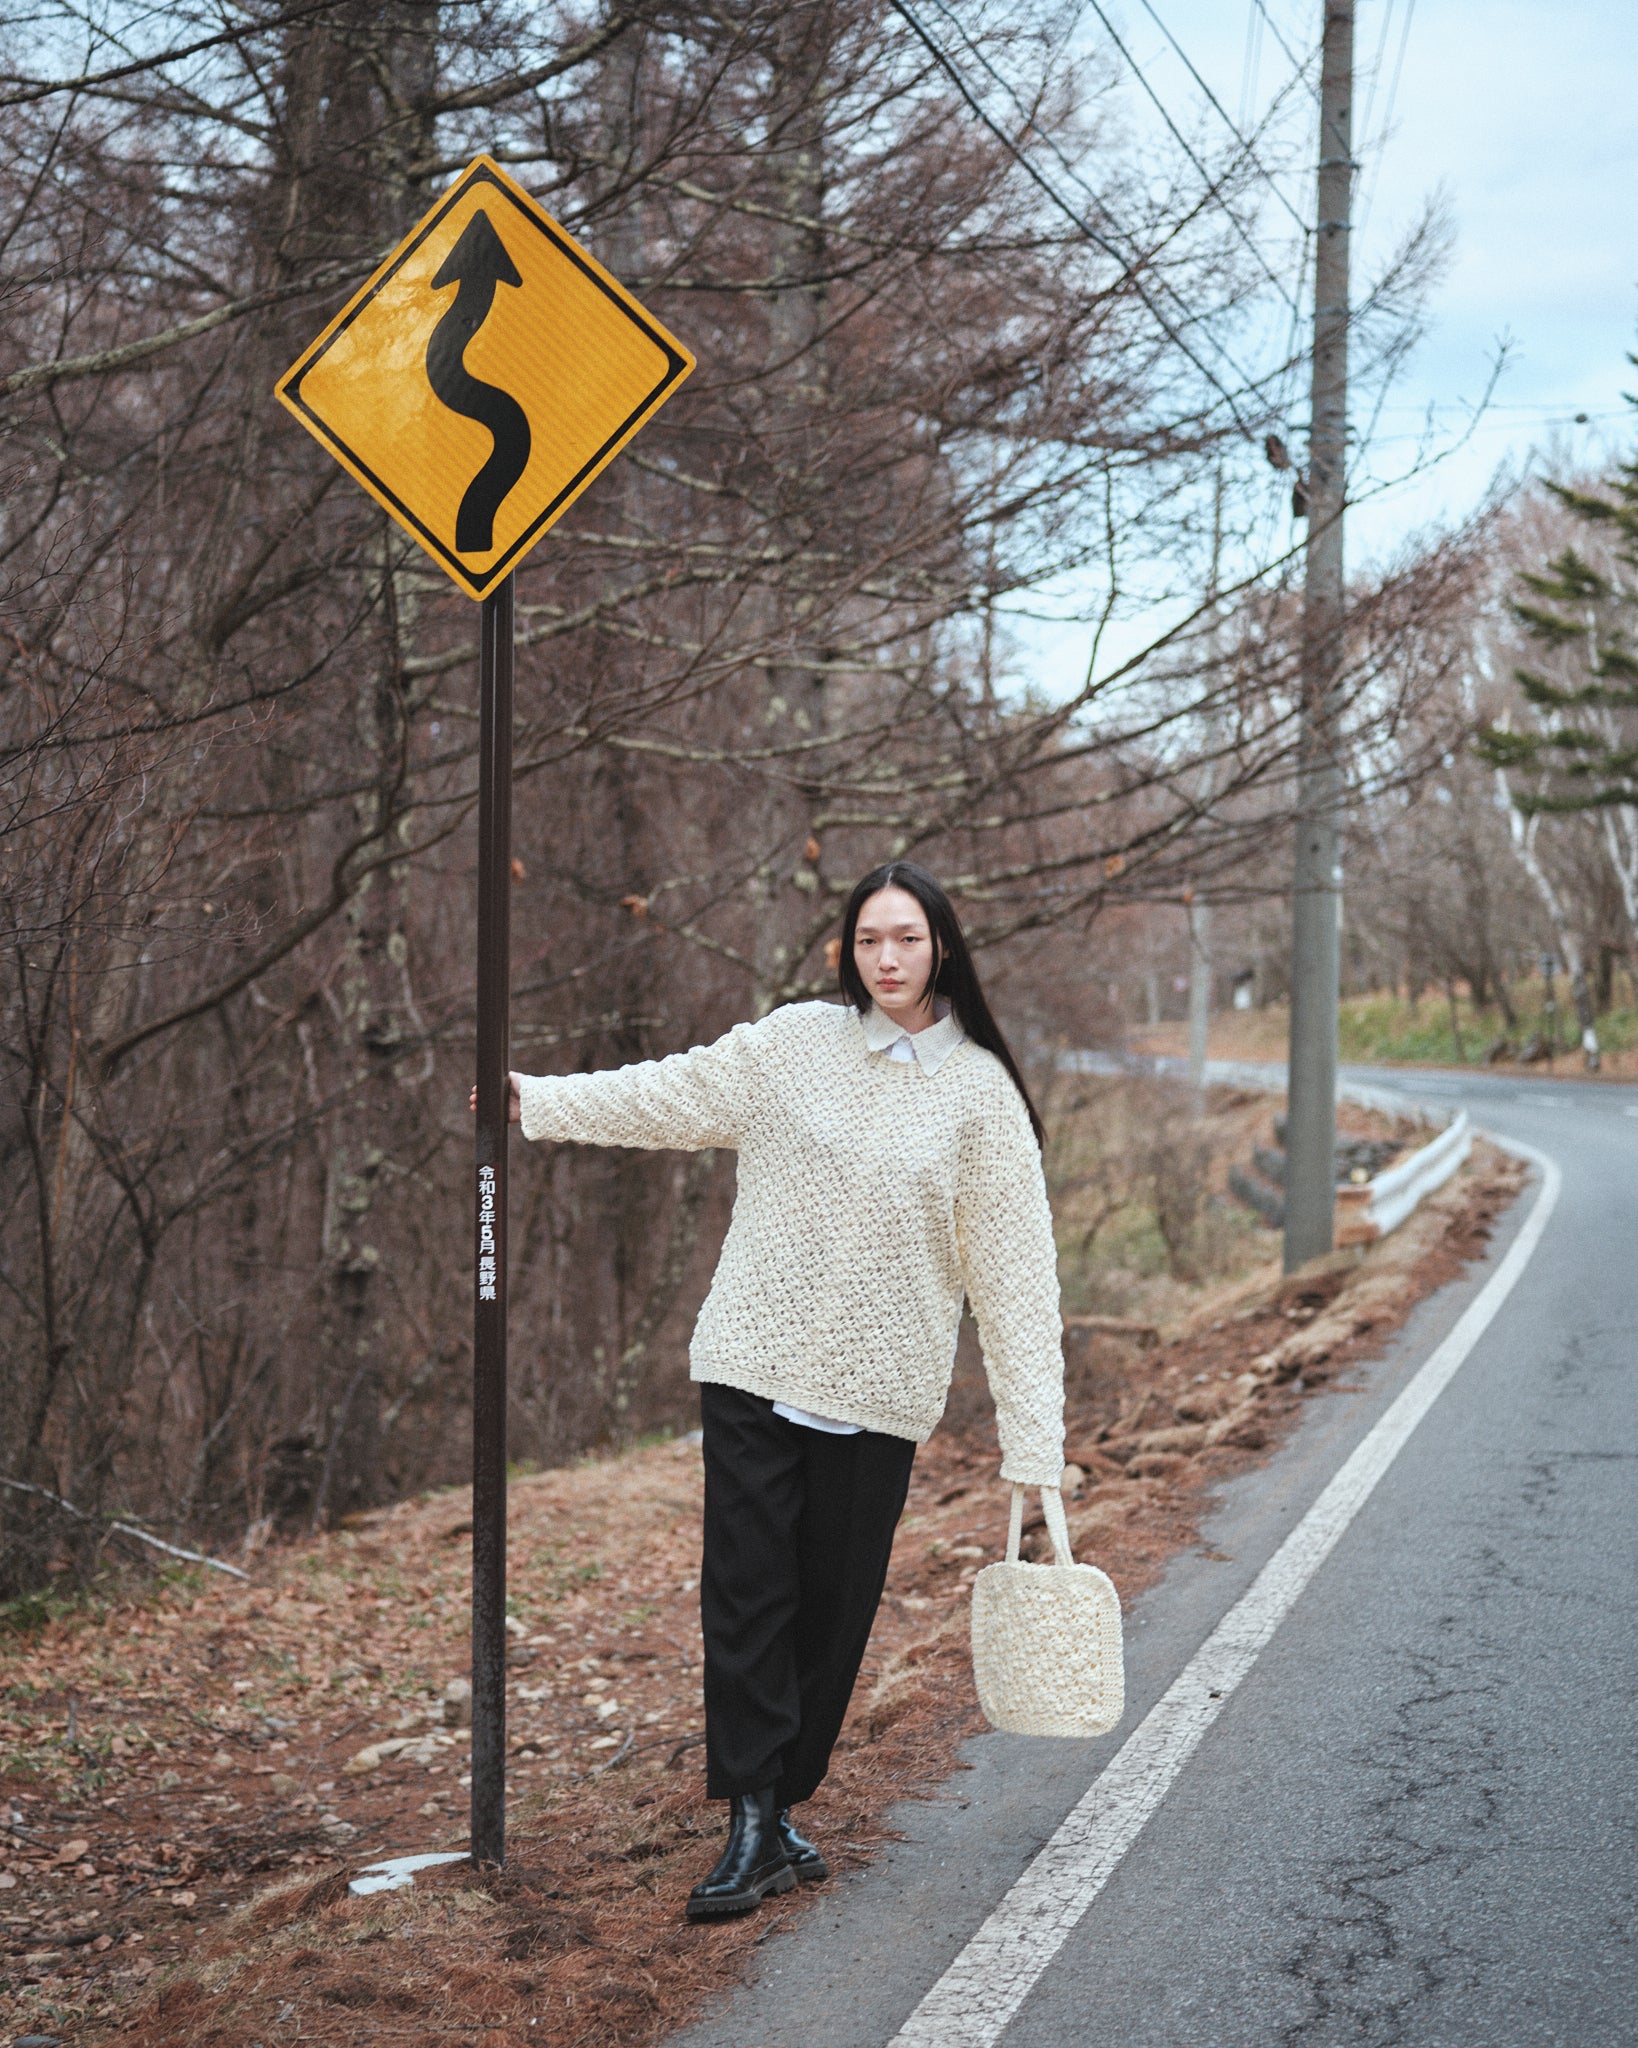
477,263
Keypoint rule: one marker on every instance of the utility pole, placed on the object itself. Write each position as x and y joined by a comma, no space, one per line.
1200,964
1316,912
1199,996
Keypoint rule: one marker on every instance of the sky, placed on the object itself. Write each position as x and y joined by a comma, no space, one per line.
1520,113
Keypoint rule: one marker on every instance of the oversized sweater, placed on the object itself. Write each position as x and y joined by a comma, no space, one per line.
872,1196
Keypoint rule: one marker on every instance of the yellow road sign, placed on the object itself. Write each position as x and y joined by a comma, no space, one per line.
483,376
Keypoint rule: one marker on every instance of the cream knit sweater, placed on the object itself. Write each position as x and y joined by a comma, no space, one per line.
872,1196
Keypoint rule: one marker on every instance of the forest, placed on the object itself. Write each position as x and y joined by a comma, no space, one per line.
939,374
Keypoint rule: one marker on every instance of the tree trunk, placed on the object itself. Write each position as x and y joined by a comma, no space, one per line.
1523,833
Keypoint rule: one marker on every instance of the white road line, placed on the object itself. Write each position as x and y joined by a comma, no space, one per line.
973,2002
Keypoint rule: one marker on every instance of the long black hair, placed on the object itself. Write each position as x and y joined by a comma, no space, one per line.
954,975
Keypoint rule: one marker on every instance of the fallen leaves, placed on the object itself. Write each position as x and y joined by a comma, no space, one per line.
230,1735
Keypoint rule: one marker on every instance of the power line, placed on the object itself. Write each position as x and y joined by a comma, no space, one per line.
1376,66
1183,144
1251,63
1129,267
1243,140
1298,64
1381,143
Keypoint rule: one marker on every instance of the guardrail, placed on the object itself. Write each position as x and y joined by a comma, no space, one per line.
1364,1213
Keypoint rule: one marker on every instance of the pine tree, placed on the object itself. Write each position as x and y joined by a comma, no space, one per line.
1582,751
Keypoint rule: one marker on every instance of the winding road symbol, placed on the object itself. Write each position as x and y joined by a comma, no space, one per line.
476,265
567,367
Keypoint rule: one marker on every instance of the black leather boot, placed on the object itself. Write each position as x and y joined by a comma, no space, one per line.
753,1864
805,1860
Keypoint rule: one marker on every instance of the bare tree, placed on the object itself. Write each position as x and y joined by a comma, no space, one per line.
238,720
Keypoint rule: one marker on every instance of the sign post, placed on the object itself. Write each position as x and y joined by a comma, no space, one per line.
475,385
489,1257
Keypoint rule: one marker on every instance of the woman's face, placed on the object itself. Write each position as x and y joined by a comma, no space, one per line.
893,950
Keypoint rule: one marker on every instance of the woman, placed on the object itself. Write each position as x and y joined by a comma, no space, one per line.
889,1163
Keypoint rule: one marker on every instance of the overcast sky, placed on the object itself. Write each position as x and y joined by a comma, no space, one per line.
1522,113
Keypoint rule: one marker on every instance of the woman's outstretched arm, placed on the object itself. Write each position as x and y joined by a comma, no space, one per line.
682,1103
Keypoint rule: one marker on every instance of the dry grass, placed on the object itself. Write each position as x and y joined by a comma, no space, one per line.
1147,1227
212,1722
1387,1032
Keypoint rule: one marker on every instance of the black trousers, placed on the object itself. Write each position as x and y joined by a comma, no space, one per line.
798,1532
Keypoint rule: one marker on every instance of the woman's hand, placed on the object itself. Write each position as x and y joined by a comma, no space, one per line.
514,1101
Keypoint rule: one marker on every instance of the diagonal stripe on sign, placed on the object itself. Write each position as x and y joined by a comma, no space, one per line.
974,2001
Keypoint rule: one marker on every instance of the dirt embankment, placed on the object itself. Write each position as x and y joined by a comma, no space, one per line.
191,1778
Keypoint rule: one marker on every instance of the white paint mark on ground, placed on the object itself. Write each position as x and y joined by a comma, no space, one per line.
398,1871
974,2001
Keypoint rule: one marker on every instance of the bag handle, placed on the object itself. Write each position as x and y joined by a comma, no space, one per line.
1052,1506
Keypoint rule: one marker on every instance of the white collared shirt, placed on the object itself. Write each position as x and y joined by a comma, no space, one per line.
928,1049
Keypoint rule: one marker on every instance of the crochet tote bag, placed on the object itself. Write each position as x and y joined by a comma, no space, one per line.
1046,1637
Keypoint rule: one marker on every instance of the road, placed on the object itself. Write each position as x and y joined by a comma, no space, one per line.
1412,1822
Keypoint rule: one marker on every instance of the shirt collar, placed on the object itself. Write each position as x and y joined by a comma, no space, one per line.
932,1047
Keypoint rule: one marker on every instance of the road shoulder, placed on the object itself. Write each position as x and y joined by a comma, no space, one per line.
865,1955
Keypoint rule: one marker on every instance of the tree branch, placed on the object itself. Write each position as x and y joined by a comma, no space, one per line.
104,360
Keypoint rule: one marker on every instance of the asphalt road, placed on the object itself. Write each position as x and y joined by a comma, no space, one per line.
1413,1823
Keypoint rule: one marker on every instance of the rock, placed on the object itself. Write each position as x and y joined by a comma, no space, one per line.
1244,1415
1318,1279
1154,1413
458,1703
408,1749
1072,1482
1144,1335
1187,1436
282,1784
1155,1464
169,1780
1095,1462
1205,1404
1244,1430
